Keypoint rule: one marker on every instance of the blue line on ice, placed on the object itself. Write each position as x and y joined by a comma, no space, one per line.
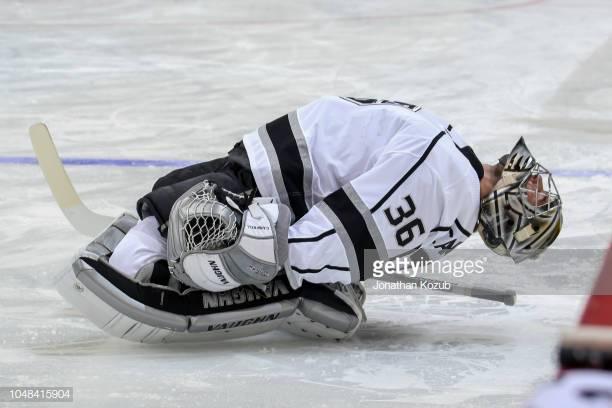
89,161
86,161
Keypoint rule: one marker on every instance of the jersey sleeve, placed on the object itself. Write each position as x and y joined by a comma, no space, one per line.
387,211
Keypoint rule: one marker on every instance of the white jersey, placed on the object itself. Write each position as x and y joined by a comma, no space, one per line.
363,175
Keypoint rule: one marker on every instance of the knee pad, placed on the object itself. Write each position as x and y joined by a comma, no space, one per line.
328,311
150,312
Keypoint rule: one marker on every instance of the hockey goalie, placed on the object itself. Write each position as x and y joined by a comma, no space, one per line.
274,234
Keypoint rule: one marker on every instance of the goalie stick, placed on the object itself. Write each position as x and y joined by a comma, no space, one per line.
82,218
90,223
507,297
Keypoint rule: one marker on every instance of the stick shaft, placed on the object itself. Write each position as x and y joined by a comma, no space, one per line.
507,297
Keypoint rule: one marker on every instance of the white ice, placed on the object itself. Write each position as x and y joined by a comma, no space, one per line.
185,79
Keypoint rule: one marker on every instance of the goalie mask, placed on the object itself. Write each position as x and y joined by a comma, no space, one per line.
219,245
522,215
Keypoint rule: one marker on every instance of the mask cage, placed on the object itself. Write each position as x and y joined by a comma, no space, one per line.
538,193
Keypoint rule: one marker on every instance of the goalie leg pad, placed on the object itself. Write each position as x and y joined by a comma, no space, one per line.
328,311
154,313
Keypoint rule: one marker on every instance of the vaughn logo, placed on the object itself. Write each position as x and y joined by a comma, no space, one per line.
245,322
217,271
244,295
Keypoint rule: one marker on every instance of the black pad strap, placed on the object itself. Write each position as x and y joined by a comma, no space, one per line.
195,302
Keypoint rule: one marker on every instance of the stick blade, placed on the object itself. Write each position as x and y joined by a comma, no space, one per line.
82,218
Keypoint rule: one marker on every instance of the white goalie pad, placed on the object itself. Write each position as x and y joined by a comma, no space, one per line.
329,311
153,313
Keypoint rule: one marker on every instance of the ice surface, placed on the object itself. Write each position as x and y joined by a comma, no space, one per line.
184,80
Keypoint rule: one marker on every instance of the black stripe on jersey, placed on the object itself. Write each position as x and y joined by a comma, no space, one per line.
313,239
353,223
374,102
444,229
463,230
360,101
409,173
473,159
470,155
332,267
290,162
